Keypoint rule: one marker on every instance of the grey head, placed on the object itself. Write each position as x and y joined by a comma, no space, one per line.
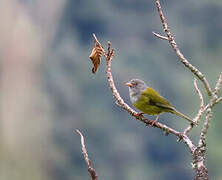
136,87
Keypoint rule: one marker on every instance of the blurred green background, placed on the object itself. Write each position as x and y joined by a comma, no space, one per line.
47,88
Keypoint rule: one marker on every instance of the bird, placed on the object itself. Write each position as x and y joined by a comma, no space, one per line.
150,102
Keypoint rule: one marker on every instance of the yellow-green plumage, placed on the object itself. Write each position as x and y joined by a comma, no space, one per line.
149,101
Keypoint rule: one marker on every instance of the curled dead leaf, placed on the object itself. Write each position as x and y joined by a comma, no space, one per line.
95,56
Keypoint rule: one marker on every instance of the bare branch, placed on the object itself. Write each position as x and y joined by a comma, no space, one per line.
219,99
213,101
86,157
200,112
199,155
172,42
189,143
197,118
218,84
160,36
202,141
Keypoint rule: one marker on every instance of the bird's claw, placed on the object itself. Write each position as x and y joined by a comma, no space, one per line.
154,121
141,114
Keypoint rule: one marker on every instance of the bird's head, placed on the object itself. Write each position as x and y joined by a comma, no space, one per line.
136,85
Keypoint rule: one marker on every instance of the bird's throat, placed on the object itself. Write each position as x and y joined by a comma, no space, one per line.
134,96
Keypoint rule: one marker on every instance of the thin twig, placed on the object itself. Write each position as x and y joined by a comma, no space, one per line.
96,40
197,118
219,99
218,84
189,143
86,157
200,159
202,140
213,101
201,110
160,36
172,42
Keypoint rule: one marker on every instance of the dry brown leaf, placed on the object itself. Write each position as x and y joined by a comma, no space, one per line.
95,56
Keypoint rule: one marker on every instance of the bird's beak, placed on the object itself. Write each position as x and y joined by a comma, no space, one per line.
129,84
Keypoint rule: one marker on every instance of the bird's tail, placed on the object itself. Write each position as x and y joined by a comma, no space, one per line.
174,111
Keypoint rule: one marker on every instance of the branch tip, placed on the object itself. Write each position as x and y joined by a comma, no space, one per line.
218,84
86,157
160,36
219,99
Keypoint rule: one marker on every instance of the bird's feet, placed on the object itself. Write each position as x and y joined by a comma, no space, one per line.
154,121
141,114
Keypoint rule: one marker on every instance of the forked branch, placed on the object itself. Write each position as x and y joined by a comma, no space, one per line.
201,110
172,42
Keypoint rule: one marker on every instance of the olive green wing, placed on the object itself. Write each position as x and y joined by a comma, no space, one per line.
155,99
